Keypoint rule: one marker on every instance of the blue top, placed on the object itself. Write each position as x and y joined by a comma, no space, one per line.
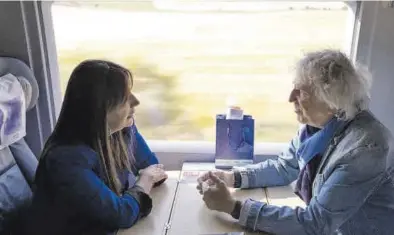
352,193
71,198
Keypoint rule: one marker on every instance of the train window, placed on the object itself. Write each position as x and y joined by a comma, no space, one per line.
189,57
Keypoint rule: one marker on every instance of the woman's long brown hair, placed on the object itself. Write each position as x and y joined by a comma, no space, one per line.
95,87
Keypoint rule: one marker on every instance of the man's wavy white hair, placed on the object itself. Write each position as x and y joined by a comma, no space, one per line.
336,81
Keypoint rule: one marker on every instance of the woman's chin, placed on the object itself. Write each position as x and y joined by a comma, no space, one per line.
129,122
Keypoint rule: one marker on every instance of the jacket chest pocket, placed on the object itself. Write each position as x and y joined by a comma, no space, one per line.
317,184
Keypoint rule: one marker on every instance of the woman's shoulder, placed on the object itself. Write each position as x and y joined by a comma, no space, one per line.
81,155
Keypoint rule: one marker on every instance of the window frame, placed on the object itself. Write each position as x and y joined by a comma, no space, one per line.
189,150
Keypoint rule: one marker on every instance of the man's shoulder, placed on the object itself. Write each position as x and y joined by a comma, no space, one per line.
367,131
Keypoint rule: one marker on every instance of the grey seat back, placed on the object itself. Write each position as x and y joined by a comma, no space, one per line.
17,162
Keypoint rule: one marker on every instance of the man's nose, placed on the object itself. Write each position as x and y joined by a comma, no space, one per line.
292,96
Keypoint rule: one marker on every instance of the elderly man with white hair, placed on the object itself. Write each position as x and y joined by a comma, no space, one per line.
341,159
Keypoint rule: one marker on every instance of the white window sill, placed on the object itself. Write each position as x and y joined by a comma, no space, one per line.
206,147
174,153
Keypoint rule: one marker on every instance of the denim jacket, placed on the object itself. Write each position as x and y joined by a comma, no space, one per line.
352,193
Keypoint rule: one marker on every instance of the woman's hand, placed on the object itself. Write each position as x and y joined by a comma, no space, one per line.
151,175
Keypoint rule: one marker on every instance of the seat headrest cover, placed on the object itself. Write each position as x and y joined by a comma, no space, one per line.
12,111
20,70
27,90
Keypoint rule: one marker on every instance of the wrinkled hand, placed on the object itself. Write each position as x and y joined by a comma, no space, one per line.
151,175
205,181
217,196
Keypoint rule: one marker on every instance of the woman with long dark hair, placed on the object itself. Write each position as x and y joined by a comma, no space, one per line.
86,181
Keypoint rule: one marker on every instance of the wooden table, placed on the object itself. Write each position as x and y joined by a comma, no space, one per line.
156,222
178,208
191,216
283,196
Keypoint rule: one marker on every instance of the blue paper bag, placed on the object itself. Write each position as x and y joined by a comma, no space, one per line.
234,138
